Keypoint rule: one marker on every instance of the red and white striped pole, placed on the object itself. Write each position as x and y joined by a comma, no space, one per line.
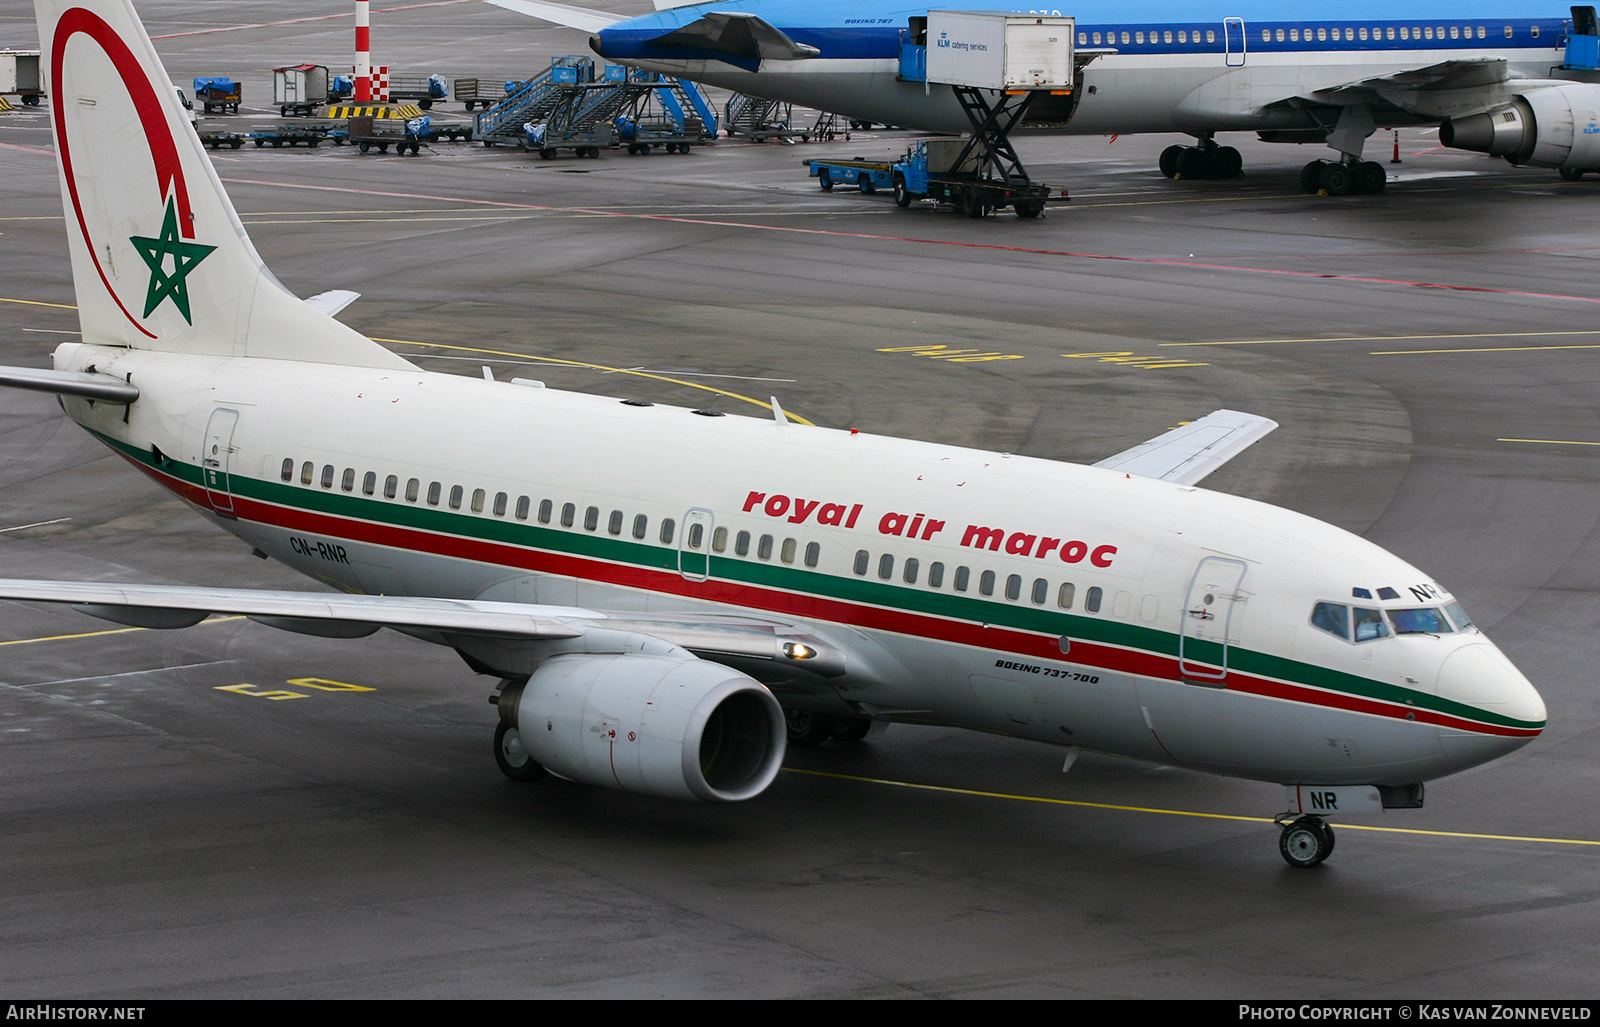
363,54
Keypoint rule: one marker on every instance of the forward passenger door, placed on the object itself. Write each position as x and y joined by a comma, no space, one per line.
1211,616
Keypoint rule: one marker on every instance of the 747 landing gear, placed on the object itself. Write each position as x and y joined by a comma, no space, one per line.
1337,178
1306,841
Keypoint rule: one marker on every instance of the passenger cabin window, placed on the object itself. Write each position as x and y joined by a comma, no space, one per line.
523,502
288,468
569,514
813,553
697,535
411,490
500,501
369,483
456,492
591,518
1091,601
963,578
1041,591
347,482
1064,596
911,570
327,476
641,523
719,540
764,547
614,523
391,486
863,558
546,509
478,497
1013,587
986,583
307,469
668,526
786,552
935,575
741,544
885,566
434,491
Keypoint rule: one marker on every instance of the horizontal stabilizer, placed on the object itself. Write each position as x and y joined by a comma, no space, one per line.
89,385
561,14
738,35
332,301
329,614
1188,453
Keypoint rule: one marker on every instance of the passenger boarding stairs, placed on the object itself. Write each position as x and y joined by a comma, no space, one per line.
681,101
759,119
533,101
587,106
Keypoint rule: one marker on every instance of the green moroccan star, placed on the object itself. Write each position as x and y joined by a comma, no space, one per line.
166,284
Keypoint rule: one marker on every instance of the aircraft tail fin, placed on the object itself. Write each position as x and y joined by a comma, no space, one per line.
160,260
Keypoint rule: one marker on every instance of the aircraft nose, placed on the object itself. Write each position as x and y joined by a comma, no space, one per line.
1480,676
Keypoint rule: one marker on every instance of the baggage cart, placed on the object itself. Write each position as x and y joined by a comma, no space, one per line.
22,76
300,88
217,93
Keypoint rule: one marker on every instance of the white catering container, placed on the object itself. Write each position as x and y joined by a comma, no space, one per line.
996,50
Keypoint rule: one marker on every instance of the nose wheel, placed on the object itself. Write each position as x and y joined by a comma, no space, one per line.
1305,841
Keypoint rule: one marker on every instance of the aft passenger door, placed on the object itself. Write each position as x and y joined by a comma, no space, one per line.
1210,613
214,459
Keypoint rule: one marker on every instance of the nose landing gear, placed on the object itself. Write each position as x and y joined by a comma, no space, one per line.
1305,841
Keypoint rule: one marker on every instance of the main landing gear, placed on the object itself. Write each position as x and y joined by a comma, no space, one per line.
807,728
1341,178
512,757
1208,160
1305,841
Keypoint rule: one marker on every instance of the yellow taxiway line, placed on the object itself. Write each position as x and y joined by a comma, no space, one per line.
1343,826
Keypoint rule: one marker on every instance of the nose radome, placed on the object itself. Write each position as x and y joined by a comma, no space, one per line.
1480,675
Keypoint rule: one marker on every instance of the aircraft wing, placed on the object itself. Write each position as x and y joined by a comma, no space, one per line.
1448,89
1189,452
765,647
562,14
1463,73
329,614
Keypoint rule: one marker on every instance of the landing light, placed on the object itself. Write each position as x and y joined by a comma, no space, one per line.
798,651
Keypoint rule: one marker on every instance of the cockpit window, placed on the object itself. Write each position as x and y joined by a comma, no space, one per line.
1369,625
1333,618
1426,621
1458,615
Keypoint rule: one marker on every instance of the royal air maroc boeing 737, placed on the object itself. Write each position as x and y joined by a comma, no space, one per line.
667,597
1513,78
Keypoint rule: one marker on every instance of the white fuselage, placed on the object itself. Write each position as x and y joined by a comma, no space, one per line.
1071,605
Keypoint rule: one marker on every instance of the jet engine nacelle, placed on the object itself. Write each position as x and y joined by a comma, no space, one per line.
673,727
1554,126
